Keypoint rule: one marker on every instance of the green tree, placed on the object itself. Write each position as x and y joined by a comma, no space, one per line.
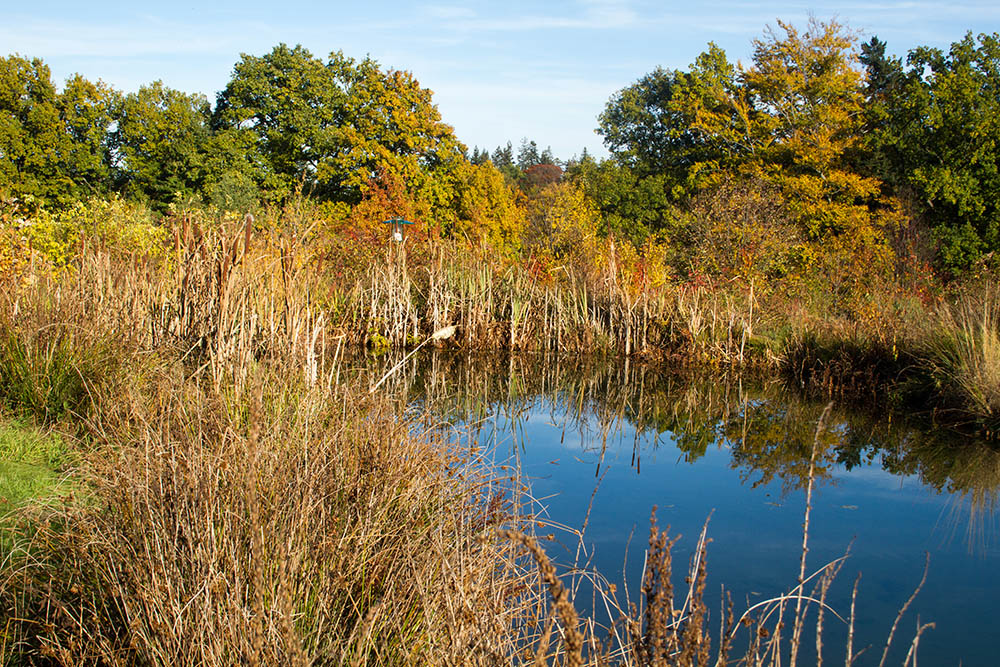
527,154
642,128
941,137
479,157
52,146
160,143
671,134
883,73
503,156
285,110
631,206
87,113
503,159
883,79
678,124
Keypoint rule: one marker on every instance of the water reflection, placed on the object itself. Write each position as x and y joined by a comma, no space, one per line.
768,430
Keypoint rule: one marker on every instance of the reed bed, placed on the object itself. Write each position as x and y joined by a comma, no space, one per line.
570,309
240,290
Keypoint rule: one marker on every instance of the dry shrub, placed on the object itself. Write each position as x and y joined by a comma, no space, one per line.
742,229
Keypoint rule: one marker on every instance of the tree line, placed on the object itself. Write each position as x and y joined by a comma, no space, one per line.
855,144
287,123
821,150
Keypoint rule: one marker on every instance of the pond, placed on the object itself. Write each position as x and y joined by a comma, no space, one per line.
602,442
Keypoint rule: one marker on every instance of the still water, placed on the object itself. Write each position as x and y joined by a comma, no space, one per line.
602,443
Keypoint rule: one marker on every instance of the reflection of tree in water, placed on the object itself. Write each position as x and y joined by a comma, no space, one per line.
774,439
967,469
768,429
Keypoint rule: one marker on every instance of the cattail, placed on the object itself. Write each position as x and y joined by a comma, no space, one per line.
247,230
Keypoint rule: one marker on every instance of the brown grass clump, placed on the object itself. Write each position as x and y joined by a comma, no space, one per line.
963,354
286,531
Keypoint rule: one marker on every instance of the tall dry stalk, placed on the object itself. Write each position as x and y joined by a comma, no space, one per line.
799,620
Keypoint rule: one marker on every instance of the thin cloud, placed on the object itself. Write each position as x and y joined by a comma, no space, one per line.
57,39
535,23
448,12
588,15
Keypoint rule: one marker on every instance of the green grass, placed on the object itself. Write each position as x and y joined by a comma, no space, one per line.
22,443
29,459
22,482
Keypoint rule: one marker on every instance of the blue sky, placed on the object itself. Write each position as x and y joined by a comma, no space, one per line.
499,70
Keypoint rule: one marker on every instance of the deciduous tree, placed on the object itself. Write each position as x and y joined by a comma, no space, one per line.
941,137
161,140
52,145
331,128
792,119
286,109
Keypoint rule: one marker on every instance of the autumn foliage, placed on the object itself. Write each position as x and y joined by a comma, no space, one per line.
819,172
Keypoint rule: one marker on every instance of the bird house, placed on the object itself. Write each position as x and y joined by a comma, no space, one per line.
396,228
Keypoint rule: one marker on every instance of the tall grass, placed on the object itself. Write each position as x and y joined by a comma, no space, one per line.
236,503
286,531
53,356
964,354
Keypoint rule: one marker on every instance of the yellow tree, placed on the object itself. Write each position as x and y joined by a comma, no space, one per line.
793,120
562,219
808,91
390,124
482,206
